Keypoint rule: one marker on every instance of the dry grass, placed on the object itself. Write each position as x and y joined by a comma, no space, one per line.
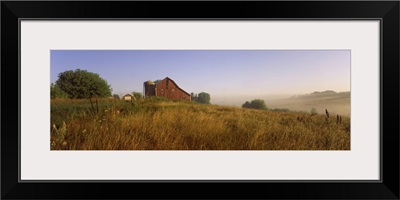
166,125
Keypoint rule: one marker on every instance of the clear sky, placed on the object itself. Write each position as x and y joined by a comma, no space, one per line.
221,73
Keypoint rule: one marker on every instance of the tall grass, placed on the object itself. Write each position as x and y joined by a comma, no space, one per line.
160,124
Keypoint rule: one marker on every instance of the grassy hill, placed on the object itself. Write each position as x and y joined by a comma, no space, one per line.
335,102
160,124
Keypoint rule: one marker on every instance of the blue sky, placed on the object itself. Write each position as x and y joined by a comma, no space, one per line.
221,73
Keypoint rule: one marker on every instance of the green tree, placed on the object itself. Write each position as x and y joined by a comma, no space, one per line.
137,95
193,97
255,104
80,84
258,104
246,105
56,92
203,98
157,81
116,96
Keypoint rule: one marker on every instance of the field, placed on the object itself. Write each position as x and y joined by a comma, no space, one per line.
160,124
338,103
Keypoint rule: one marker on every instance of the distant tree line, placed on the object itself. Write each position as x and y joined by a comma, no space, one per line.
255,104
202,97
260,105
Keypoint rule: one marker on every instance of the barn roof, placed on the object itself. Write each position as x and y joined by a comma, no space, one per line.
176,85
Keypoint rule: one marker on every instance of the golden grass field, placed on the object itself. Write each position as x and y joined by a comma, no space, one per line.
160,124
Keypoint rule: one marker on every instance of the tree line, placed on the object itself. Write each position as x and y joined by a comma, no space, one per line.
202,97
255,104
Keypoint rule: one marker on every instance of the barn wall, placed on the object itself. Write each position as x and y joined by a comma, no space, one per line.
168,89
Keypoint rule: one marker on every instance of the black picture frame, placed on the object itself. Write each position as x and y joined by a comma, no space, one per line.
386,11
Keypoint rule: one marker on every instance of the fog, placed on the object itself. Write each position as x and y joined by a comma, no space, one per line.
238,100
338,103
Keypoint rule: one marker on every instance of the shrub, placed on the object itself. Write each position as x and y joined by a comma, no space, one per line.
255,104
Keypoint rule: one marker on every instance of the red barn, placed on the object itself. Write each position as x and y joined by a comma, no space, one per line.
166,88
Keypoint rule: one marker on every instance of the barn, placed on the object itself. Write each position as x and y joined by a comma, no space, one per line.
128,97
165,88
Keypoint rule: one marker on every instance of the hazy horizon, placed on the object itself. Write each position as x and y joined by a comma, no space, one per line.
229,76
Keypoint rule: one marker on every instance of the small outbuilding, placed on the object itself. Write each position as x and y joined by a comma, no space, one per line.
128,97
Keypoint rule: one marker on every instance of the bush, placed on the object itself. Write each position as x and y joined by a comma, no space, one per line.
157,99
116,96
255,104
202,97
137,95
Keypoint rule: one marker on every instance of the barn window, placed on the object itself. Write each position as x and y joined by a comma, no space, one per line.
162,91
167,83
173,90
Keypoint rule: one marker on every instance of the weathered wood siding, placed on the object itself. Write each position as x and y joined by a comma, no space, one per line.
169,89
